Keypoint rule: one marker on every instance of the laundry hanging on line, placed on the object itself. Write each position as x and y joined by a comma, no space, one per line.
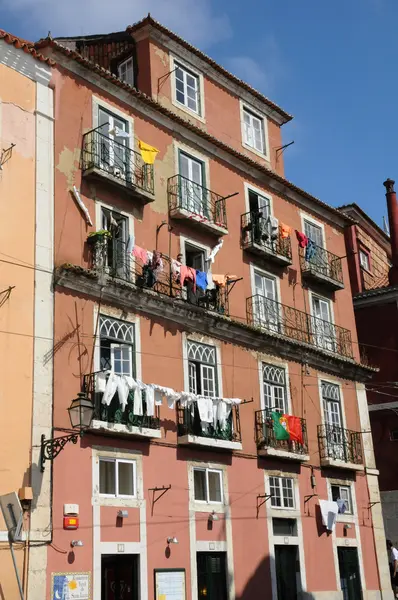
285,231
310,250
302,239
148,153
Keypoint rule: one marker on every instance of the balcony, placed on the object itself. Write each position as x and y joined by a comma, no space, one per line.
323,267
109,256
191,201
255,237
113,419
340,447
277,319
268,445
192,432
113,163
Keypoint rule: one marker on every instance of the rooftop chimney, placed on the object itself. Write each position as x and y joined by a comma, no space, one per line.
392,207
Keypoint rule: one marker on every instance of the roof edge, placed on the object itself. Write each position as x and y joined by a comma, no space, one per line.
27,47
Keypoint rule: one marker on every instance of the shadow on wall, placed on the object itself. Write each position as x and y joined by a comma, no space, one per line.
259,584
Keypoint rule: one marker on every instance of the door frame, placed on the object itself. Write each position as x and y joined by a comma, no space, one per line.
137,568
360,574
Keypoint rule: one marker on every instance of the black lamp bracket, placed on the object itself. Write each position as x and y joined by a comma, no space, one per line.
50,448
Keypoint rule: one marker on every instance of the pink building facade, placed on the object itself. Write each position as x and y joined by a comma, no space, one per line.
172,503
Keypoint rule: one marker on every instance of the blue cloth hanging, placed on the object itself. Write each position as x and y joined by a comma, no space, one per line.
342,506
310,250
201,280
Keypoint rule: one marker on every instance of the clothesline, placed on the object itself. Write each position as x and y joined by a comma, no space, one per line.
212,410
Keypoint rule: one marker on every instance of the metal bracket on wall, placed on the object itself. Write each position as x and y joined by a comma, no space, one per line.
372,504
308,498
162,489
5,155
5,294
262,499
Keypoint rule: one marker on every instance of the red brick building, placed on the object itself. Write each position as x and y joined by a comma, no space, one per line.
372,259
167,496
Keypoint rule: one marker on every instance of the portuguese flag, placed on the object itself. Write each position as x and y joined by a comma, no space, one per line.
287,427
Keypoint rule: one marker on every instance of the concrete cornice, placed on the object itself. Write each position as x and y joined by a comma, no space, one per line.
195,319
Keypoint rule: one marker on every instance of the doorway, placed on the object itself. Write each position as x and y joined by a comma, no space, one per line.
350,578
212,575
286,559
119,577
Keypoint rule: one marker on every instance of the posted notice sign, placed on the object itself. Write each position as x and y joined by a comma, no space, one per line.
70,586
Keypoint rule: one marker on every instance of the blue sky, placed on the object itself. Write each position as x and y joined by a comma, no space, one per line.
331,64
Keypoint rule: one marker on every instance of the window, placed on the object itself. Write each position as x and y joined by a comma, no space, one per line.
202,368
113,137
284,527
117,478
343,492
187,88
117,346
207,485
281,489
331,403
116,256
192,192
274,382
266,308
323,329
364,260
126,71
253,131
313,232
195,257
259,204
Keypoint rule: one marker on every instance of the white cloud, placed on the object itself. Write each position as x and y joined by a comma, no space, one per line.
195,20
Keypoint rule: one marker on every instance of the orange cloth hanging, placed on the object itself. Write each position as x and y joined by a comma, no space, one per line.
285,230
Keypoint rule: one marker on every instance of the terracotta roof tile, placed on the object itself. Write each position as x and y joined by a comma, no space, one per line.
150,21
197,130
26,46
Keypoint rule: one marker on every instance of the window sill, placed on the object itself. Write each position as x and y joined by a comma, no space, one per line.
182,213
188,111
118,428
333,462
257,152
197,440
283,454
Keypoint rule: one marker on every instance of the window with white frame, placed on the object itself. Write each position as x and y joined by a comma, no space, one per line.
207,485
126,70
117,346
117,478
265,306
343,493
331,404
111,142
323,328
187,88
313,232
202,368
117,260
253,131
282,492
274,385
364,260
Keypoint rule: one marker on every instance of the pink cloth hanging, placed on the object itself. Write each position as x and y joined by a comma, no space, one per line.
141,254
188,273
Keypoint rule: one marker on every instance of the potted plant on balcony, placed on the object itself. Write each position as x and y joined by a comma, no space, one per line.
100,236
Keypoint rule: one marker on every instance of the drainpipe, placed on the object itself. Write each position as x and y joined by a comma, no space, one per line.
392,207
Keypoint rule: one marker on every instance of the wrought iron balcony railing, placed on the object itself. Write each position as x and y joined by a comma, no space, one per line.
323,266
265,435
188,424
273,317
197,202
114,413
336,443
109,255
124,165
256,236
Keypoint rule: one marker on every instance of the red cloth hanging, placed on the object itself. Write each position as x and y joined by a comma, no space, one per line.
302,239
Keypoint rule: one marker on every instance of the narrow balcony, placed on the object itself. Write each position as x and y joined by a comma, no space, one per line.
340,447
322,267
109,256
269,445
191,431
256,238
116,164
189,200
116,419
278,319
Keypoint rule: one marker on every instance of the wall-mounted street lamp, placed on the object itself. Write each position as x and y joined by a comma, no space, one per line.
81,413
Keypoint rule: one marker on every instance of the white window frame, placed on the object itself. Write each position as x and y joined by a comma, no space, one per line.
324,379
206,249
174,61
126,62
347,487
253,270
265,363
363,253
279,479
116,462
245,107
98,103
202,367
248,186
120,345
208,470
312,295
201,339
307,217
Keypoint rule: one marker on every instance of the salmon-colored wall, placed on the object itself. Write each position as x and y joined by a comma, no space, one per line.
163,461
17,216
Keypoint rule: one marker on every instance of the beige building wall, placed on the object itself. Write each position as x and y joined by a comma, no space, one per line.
23,79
